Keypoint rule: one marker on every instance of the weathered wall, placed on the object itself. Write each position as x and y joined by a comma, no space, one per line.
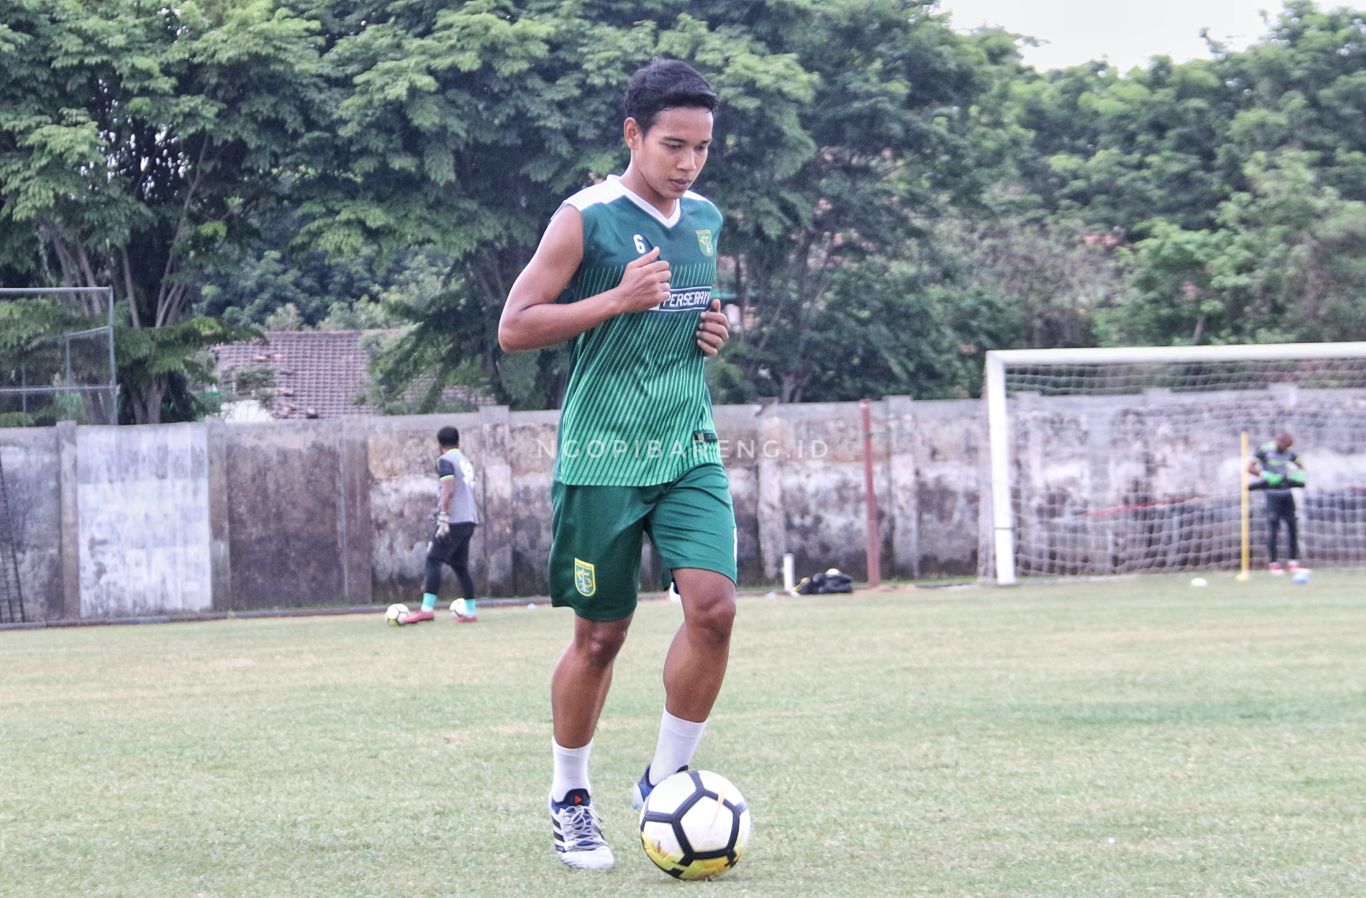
193,517
209,516
1150,481
31,459
286,513
142,499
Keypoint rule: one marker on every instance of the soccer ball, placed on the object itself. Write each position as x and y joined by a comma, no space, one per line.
394,614
459,608
1301,577
694,825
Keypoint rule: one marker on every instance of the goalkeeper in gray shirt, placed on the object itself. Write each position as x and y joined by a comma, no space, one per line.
456,518
1278,470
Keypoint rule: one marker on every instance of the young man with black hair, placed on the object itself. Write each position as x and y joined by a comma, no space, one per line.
625,269
456,517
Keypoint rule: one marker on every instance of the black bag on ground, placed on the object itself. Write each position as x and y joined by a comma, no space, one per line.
826,584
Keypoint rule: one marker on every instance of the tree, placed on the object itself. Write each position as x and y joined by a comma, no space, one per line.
275,278
1285,263
462,128
890,330
892,120
1302,88
138,140
1053,273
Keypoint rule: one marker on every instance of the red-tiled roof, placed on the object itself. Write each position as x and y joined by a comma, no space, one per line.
318,374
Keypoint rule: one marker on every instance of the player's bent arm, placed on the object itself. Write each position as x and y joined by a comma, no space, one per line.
532,319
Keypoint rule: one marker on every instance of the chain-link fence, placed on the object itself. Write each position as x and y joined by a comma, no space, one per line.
57,356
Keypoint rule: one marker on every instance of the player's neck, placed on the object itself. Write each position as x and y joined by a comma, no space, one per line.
632,181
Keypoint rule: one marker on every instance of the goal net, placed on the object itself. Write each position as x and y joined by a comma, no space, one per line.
57,356
1130,460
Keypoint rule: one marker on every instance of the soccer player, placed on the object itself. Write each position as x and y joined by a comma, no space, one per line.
625,269
456,518
1279,470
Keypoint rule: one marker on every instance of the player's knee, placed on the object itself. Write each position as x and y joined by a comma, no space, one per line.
712,616
598,645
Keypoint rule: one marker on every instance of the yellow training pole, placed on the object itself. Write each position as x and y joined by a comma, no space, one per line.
1242,496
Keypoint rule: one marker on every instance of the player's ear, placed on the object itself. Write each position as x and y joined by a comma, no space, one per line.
630,130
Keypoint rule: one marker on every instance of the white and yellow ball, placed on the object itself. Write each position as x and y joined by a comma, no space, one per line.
695,825
395,613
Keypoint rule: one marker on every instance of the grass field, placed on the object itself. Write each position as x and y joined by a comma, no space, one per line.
1129,738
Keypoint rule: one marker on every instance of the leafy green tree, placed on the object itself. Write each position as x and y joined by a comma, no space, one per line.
1171,141
1169,298
889,331
1231,184
463,128
1285,263
1117,151
138,140
275,280
1053,272
1302,88
891,117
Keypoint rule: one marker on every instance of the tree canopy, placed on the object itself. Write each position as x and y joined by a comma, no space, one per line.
900,197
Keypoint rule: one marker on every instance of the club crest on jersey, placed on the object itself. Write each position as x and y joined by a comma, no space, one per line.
585,577
704,241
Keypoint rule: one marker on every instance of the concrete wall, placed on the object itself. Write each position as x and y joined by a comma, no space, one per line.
116,521
142,500
184,518
32,461
1150,481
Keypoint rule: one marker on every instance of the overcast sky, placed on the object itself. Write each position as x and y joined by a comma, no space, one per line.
1126,33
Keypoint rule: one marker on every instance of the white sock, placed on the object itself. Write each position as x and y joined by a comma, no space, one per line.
678,739
571,769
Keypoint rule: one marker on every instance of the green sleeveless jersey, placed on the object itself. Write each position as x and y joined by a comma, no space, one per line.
636,411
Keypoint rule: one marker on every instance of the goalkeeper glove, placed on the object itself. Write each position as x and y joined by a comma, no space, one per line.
443,525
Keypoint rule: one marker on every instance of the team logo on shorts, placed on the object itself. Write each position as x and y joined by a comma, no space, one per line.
704,241
585,578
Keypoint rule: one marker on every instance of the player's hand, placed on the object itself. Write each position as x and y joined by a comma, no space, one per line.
713,329
645,284
443,526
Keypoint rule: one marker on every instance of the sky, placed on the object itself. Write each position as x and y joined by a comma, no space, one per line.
1126,33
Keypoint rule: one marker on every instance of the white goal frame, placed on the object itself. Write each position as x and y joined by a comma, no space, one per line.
998,362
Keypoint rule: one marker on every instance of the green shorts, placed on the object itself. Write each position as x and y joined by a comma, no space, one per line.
596,534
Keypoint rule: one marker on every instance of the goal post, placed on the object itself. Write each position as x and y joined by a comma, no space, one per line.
1124,460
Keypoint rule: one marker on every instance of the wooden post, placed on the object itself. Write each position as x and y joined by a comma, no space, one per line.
874,534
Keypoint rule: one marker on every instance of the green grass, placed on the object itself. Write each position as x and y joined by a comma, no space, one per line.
1128,738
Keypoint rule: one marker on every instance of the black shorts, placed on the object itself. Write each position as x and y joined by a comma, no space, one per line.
454,547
